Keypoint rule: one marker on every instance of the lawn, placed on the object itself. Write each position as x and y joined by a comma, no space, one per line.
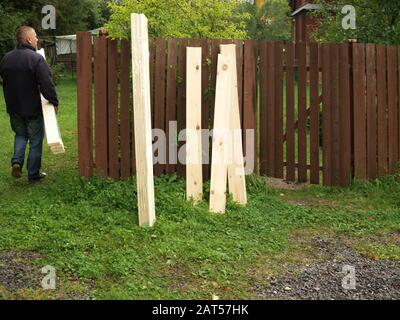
88,230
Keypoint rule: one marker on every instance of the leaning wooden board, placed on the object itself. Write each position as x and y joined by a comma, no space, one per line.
50,123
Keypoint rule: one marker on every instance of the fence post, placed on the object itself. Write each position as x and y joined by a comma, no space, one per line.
84,104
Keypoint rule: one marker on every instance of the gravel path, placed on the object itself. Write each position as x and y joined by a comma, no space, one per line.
17,272
374,280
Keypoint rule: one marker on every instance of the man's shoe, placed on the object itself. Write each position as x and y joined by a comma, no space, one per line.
16,171
42,175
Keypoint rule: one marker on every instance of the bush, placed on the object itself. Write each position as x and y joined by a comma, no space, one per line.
57,71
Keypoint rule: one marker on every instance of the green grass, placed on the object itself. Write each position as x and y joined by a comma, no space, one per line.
87,229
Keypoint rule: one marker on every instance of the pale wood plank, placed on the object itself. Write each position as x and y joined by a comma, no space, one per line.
142,118
194,171
50,122
236,174
221,124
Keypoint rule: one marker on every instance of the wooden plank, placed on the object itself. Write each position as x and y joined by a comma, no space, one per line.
250,100
302,112
51,127
142,109
335,115
181,107
372,164
270,91
344,116
239,63
159,101
393,113
152,59
214,63
314,114
382,110
326,115
100,100
194,171
221,123
170,116
278,110
236,174
263,109
205,105
112,89
359,92
125,115
290,128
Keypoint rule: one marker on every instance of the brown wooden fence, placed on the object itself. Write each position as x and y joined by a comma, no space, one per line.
326,116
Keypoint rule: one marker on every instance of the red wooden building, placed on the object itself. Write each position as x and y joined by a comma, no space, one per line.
304,22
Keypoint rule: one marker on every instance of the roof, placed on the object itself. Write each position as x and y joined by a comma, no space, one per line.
73,36
307,7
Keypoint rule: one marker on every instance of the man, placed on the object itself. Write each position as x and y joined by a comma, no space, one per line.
25,75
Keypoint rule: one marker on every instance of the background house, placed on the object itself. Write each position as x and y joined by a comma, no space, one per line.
304,23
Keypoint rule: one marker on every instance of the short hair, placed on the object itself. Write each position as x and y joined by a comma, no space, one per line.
22,32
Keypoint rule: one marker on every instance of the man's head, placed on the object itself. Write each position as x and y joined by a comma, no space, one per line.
27,35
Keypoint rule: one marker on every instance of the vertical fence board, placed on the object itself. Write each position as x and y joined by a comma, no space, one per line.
326,114
290,130
393,108
171,106
302,112
112,88
152,57
181,103
84,102
159,97
314,114
359,91
100,101
214,63
239,65
278,110
264,118
371,113
382,107
205,104
344,116
335,132
270,91
250,97
125,114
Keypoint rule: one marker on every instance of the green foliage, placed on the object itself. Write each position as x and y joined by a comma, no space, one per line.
181,18
71,16
9,22
377,21
57,72
271,22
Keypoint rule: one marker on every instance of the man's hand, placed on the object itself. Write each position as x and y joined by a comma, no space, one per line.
56,109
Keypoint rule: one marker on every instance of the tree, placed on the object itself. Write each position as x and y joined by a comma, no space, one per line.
270,20
181,18
9,23
71,16
377,21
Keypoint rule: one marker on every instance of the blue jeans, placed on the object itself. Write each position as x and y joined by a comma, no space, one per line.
28,129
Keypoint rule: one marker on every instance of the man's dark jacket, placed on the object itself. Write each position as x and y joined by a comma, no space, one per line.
25,75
